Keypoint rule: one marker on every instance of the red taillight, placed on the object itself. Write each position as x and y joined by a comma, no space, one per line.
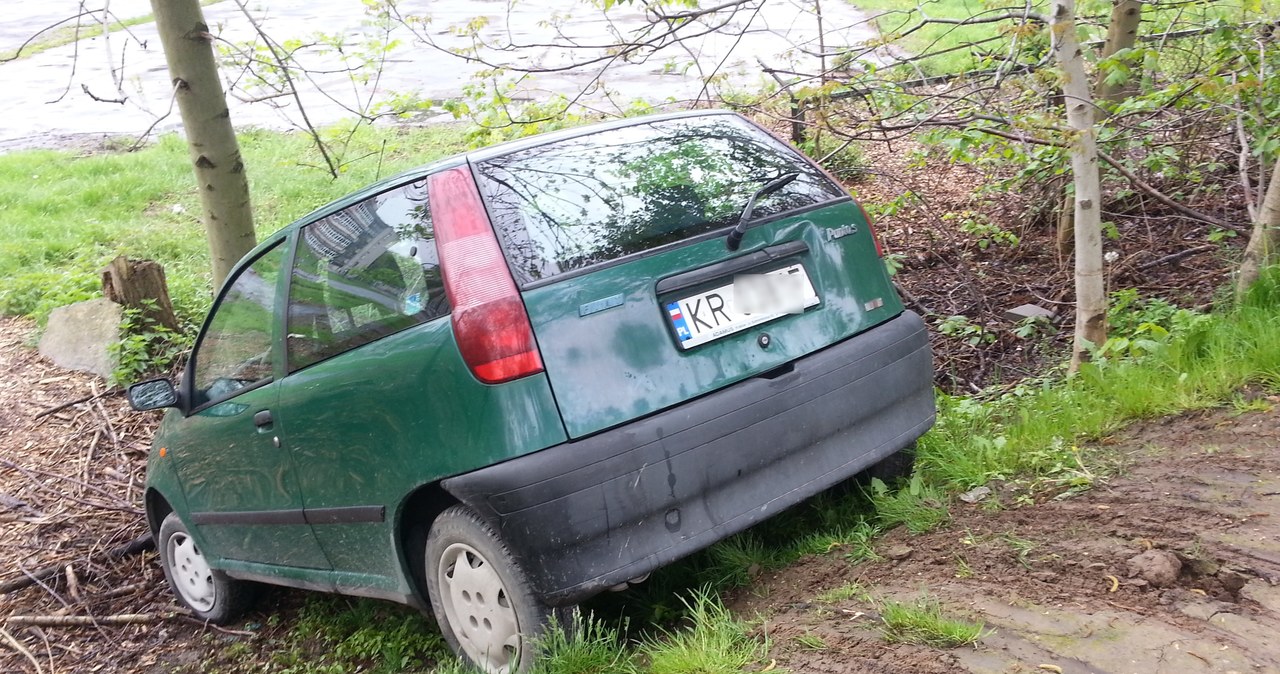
490,323
872,228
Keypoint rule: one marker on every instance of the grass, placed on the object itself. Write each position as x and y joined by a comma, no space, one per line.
1035,430
958,49
845,592
811,642
711,642
63,217
333,635
923,622
588,646
918,506
64,35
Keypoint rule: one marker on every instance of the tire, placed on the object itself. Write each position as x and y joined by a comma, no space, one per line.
210,594
488,614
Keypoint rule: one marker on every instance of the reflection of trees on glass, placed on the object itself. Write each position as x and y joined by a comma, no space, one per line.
236,348
364,272
584,200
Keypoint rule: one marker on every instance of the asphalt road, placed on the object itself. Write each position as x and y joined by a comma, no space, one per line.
49,97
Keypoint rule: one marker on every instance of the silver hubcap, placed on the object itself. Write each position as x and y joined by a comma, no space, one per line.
191,574
479,609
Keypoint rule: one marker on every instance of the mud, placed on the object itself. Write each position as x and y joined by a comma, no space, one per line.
1170,566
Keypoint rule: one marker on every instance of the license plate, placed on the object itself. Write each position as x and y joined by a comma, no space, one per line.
712,314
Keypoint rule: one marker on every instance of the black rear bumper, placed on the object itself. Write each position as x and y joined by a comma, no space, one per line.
589,514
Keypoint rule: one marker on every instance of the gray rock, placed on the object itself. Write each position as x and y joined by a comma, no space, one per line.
899,552
78,335
976,494
1025,311
1158,567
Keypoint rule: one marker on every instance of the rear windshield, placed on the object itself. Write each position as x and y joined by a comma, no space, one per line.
578,202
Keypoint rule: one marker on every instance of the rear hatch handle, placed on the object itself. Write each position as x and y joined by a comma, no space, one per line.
731,266
739,230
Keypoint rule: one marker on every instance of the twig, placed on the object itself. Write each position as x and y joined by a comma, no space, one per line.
17,645
88,398
137,545
173,96
85,620
912,300
1177,256
1160,196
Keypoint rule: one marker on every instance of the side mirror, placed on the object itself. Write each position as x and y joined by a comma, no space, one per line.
153,394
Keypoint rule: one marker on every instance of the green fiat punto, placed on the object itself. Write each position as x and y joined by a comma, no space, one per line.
499,384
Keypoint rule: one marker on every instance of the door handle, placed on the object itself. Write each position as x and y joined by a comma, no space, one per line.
262,419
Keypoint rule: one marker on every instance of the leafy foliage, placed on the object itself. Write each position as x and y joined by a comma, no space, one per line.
146,347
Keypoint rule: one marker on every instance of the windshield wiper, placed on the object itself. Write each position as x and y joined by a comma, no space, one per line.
735,235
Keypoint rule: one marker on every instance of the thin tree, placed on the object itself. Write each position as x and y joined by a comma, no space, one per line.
1264,241
1122,33
1091,298
215,153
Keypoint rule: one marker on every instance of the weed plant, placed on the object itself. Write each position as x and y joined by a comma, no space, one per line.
923,622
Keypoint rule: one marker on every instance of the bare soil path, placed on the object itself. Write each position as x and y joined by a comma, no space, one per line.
1172,566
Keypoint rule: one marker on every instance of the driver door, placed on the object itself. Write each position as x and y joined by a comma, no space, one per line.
239,480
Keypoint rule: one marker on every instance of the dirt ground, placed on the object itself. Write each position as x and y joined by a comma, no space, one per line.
1171,566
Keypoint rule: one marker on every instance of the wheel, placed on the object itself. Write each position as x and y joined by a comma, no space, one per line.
209,593
481,597
894,467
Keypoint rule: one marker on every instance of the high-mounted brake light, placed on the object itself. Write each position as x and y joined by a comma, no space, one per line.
872,228
490,323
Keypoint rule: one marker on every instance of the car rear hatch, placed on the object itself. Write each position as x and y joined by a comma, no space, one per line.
617,239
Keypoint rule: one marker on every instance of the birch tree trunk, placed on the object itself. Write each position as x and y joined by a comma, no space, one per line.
1264,241
1091,299
1122,33
215,153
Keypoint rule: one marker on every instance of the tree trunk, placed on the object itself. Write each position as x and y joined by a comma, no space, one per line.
1066,227
1091,299
215,154
1122,33
140,284
1264,241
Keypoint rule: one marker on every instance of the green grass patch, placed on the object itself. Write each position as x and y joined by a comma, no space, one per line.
849,590
954,49
64,216
586,646
70,32
1035,430
334,635
712,641
917,506
923,622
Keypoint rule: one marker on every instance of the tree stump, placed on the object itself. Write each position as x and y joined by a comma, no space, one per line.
140,284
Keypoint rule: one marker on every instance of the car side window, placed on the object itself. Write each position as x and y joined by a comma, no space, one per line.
362,273
235,350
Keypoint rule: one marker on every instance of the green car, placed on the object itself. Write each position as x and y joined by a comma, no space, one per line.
502,383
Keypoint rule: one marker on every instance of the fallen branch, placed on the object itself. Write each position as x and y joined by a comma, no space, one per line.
77,401
85,620
137,545
1173,257
17,645
1160,196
